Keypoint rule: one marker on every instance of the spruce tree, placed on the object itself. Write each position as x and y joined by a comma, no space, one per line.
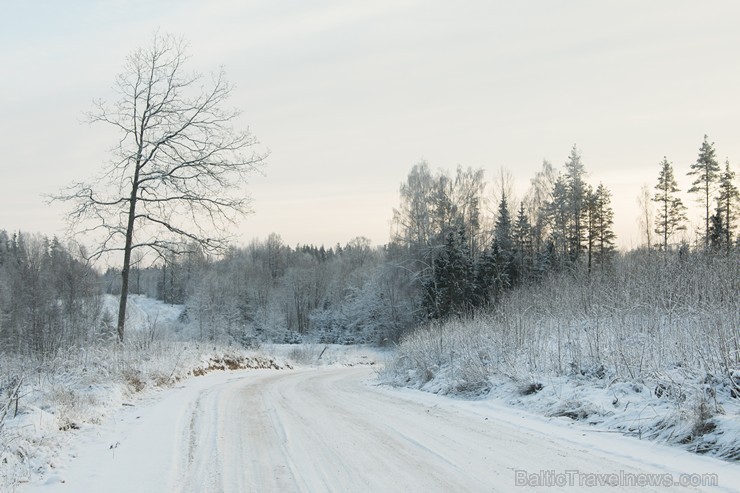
503,236
576,202
493,274
727,202
558,219
502,229
590,225
671,211
522,232
717,230
451,290
485,275
706,169
522,237
464,275
547,258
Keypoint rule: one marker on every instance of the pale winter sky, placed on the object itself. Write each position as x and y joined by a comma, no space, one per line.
348,96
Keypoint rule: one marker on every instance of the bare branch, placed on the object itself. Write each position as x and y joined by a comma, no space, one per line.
177,167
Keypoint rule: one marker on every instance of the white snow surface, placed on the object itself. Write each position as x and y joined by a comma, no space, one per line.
628,407
334,429
143,313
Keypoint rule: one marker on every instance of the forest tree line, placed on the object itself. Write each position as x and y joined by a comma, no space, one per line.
448,256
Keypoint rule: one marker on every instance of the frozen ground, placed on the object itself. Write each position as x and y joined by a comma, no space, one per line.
334,429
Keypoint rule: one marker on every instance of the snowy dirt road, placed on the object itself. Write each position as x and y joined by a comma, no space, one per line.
333,429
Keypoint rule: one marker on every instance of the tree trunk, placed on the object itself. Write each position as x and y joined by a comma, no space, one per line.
129,241
665,225
728,224
124,294
126,263
706,224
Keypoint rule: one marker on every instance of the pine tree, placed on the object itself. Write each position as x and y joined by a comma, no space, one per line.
603,224
727,202
706,169
671,211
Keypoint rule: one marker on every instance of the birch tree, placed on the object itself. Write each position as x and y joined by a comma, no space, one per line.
646,217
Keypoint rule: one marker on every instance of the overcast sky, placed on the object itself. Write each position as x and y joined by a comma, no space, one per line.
348,96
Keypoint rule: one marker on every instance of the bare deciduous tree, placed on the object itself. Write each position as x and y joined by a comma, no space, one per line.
538,196
176,173
646,216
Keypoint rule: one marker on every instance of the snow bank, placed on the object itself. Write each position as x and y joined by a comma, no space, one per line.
685,406
62,397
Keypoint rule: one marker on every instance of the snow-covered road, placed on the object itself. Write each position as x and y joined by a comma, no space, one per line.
332,429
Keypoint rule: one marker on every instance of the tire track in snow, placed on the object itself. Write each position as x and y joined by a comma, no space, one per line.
327,429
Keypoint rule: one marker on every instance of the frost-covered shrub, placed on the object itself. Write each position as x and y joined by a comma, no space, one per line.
669,323
81,387
364,315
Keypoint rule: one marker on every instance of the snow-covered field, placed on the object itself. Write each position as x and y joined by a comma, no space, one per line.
146,315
